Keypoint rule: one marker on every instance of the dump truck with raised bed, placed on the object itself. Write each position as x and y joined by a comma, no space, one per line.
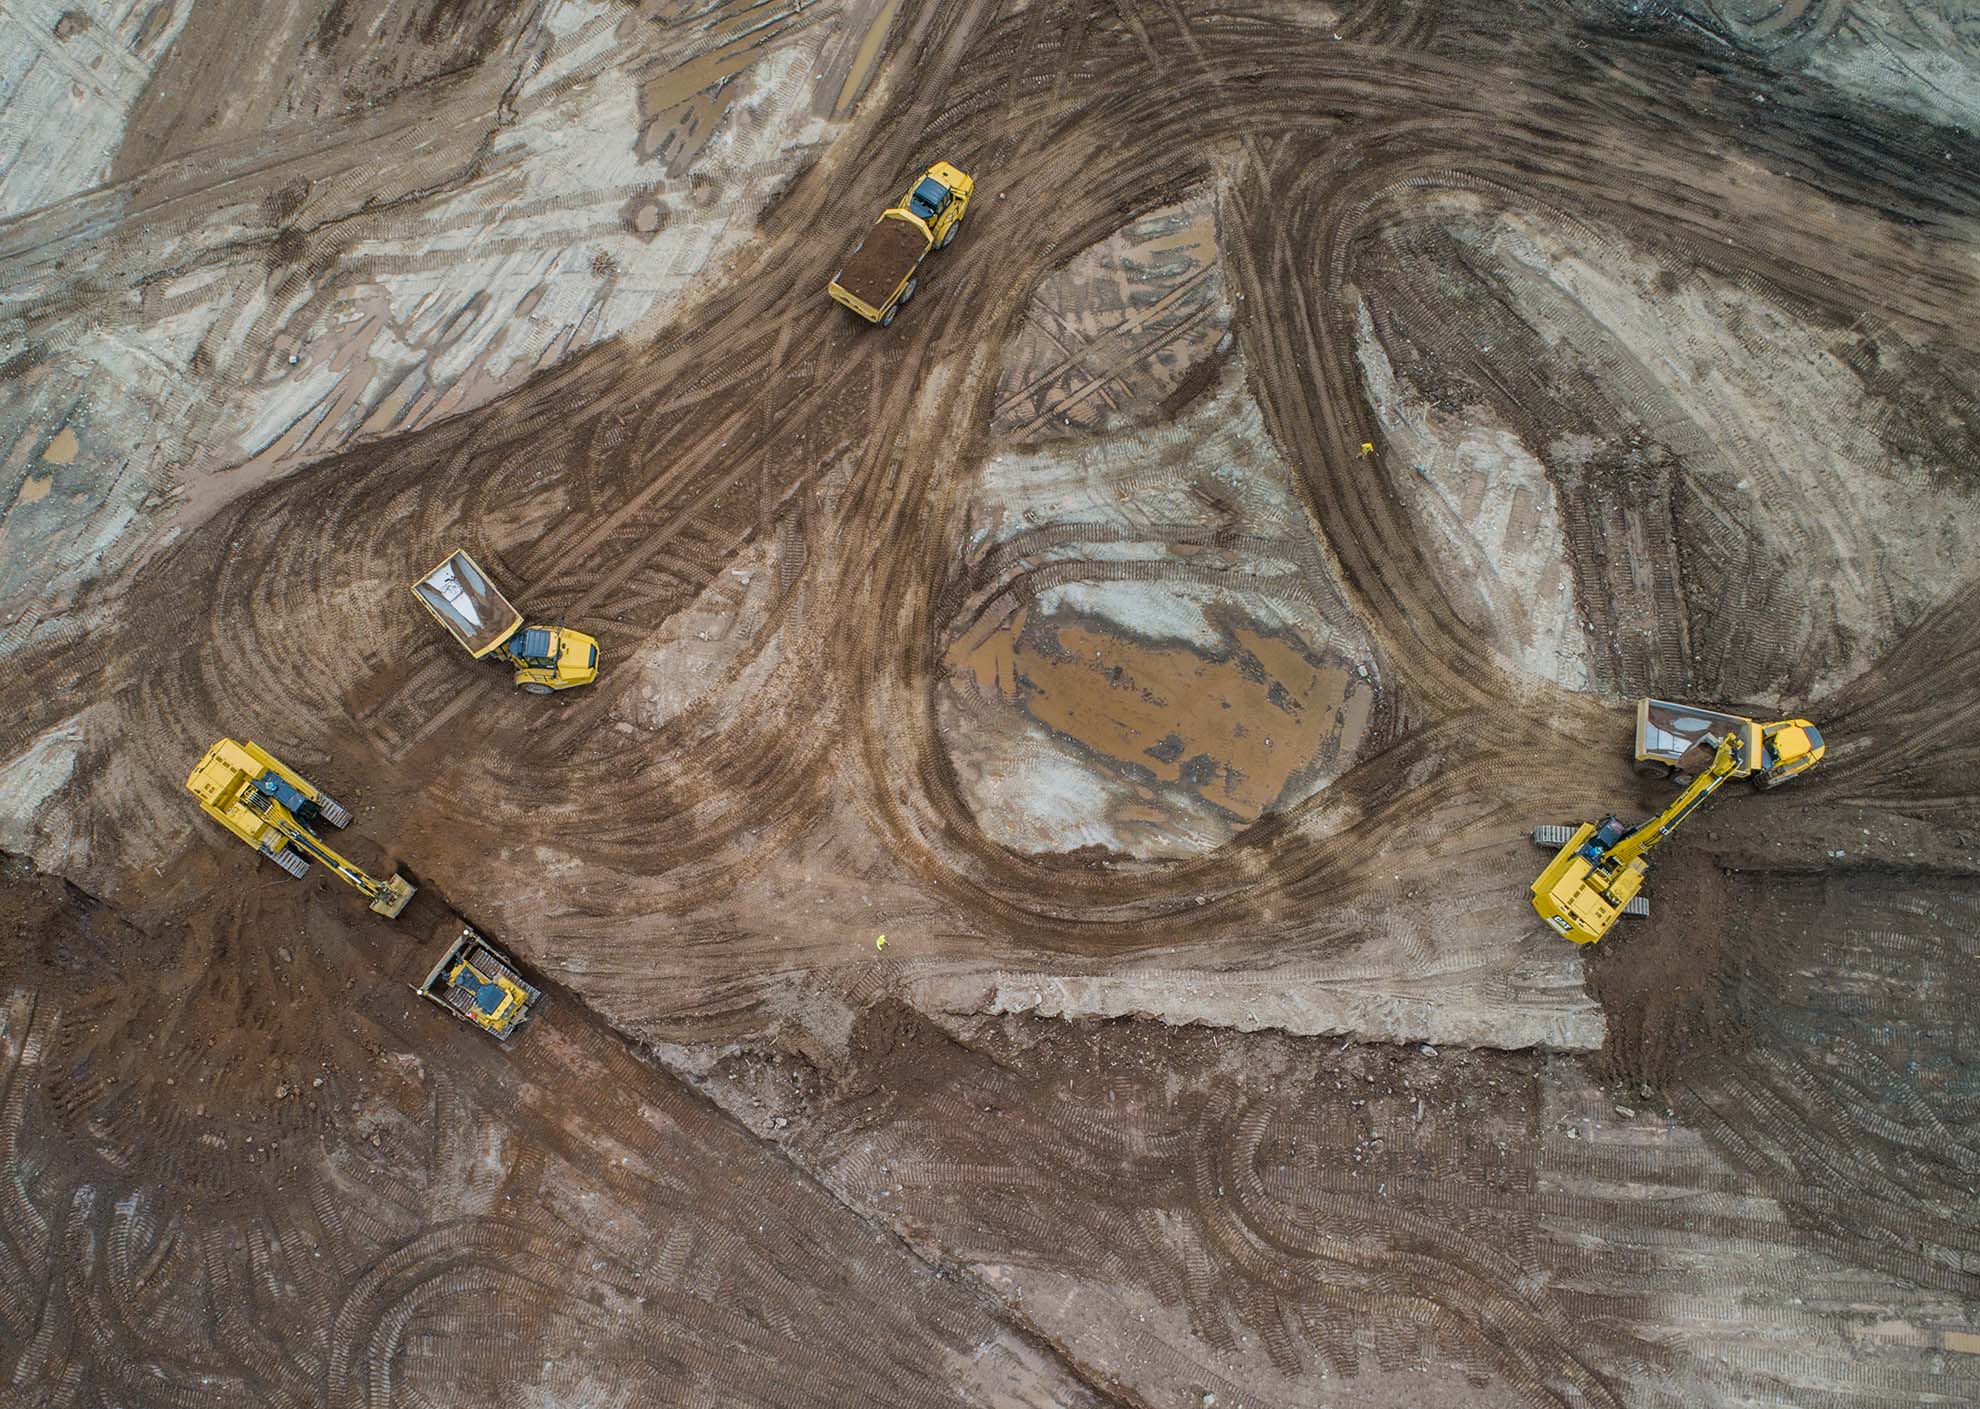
460,597
478,984
1594,878
1672,742
276,811
879,276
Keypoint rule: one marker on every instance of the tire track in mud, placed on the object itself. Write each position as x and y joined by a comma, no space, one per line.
1254,1217
1304,257
1344,490
1839,1069
253,625
1297,252
425,1226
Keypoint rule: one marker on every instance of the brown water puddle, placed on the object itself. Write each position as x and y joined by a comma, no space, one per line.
63,449
868,54
1234,730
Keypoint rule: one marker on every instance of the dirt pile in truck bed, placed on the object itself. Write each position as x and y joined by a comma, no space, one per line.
874,270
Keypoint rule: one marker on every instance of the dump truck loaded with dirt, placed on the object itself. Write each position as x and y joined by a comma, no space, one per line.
878,277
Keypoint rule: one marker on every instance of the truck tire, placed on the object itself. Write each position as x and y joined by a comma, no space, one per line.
1651,768
535,689
948,235
907,293
887,318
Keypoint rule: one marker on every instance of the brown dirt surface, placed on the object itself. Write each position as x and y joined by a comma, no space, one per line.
1165,639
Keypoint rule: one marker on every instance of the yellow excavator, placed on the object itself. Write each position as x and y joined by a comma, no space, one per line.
276,811
546,659
1594,879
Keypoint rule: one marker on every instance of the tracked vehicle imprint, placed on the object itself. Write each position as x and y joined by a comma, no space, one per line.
1057,769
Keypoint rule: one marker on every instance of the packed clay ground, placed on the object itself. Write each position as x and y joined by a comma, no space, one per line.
1329,420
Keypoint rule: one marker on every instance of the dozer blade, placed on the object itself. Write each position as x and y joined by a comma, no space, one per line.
393,897
1553,836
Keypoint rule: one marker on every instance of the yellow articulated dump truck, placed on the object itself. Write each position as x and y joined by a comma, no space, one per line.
878,277
478,984
546,659
1677,740
277,811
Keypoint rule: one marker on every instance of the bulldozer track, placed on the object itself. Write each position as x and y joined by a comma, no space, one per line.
720,876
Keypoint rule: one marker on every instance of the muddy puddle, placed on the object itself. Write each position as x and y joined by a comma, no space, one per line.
1235,728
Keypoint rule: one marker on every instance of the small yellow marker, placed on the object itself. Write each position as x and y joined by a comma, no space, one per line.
881,942
1368,447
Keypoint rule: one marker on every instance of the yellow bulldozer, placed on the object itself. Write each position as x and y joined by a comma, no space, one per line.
546,659
277,811
478,984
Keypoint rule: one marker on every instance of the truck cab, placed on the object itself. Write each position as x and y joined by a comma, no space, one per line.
938,201
550,658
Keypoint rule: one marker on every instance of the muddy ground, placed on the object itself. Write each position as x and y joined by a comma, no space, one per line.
1165,635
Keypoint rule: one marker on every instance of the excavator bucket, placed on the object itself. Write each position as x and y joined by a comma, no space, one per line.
462,599
392,897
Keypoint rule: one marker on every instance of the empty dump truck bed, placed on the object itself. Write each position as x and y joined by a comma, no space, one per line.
1667,733
463,600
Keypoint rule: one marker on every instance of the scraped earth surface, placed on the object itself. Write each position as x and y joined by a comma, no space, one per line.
1034,907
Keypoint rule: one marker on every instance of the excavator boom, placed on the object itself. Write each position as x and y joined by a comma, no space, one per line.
388,898
1725,764
275,809
1594,879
